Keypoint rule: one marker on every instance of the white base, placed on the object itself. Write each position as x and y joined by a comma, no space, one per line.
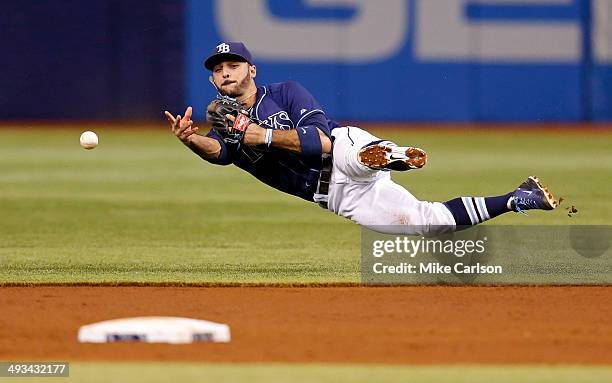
173,330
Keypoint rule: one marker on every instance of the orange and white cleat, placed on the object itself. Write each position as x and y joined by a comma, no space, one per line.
388,156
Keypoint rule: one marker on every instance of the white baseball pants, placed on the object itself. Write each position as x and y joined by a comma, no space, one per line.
370,198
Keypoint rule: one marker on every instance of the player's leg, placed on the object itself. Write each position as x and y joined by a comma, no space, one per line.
366,195
360,154
468,211
348,142
369,153
384,206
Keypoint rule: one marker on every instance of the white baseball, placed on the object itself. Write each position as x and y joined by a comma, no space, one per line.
89,140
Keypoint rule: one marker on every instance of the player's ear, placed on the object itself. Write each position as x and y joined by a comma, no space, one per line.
252,71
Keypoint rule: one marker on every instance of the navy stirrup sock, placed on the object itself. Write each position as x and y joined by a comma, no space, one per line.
469,211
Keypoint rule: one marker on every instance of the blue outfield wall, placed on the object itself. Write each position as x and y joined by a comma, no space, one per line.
94,59
451,60
601,99
377,60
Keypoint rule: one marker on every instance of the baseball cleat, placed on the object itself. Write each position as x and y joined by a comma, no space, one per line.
532,195
387,156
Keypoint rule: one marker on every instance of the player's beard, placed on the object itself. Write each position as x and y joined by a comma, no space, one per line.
240,88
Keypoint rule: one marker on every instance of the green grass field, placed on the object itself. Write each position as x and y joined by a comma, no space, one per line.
141,207
324,373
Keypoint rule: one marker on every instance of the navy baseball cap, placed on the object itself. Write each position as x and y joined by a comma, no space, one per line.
234,51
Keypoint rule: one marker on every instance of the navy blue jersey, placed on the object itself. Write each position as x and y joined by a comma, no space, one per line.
285,105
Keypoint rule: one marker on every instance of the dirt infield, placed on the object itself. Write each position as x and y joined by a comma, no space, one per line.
323,324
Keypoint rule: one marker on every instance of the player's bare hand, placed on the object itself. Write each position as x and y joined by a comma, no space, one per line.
254,134
182,127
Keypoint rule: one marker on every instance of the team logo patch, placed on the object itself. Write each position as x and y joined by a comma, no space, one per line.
223,48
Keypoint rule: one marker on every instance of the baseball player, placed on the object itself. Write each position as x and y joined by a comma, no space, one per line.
280,134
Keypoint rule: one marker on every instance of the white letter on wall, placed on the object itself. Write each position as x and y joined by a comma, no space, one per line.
377,31
444,33
602,31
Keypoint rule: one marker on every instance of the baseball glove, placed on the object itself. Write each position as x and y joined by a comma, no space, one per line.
231,132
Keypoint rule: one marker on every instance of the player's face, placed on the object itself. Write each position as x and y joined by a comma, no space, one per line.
232,78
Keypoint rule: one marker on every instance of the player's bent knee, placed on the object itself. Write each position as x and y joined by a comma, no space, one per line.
423,218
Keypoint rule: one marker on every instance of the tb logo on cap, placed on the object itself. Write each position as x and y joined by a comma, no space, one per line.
223,48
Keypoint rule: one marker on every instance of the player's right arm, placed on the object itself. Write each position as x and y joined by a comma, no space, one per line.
205,147
311,136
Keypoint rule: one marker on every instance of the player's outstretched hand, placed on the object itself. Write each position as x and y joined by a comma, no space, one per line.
182,127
